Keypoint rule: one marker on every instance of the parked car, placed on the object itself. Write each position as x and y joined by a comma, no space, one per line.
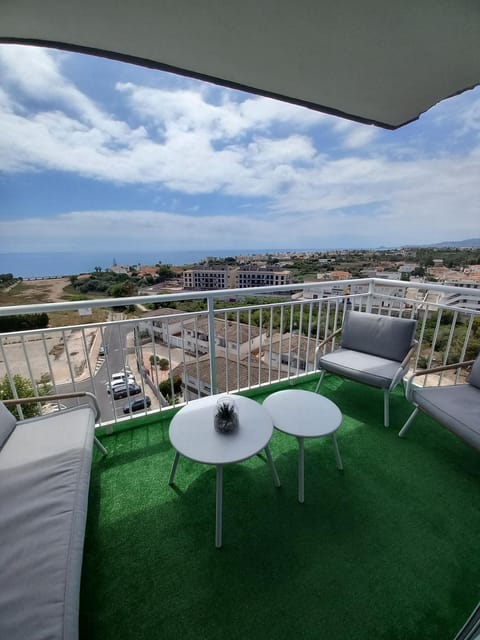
121,375
119,379
137,404
103,350
123,390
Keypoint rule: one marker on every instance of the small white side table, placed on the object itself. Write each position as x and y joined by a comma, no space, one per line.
193,435
304,414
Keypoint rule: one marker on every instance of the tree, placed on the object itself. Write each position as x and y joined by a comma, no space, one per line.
163,364
24,322
164,272
24,389
165,387
122,290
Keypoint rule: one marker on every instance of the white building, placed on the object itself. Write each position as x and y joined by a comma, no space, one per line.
232,339
204,278
289,353
231,376
261,278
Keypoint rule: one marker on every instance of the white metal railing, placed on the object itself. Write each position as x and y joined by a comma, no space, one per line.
228,346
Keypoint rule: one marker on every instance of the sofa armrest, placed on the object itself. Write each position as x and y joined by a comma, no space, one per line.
425,372
57,396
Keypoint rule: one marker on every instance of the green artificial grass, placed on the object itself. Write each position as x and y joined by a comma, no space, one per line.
388,548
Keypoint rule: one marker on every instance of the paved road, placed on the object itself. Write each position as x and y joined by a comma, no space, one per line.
115,340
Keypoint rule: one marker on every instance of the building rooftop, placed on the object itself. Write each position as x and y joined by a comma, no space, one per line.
233,331
231,374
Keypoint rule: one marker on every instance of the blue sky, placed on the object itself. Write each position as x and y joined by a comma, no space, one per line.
96,153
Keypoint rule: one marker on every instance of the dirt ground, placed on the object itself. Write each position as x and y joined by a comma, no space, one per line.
53,288
36,291
58,355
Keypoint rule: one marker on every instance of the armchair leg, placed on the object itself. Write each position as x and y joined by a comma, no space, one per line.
322,373
386,408
407,424
99,445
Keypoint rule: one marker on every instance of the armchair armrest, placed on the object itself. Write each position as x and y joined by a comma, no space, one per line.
425,372
410,353
58,396
326,341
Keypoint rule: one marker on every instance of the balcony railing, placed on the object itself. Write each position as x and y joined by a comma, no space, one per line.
229,345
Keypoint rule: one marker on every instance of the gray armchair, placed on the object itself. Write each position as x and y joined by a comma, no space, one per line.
456,406
374,350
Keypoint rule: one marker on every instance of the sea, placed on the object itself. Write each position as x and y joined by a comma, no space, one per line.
51,265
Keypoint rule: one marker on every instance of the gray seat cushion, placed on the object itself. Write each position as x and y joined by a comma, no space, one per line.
383,336
362,367
7,424
44,479
474,377
456,407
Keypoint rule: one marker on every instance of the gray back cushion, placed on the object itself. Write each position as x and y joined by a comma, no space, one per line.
7,424
382,336
474,377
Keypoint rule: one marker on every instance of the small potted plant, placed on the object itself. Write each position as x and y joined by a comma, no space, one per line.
226,415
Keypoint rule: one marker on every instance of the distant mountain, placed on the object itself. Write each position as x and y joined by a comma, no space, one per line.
465,244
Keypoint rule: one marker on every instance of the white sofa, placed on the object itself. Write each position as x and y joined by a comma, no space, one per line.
44,480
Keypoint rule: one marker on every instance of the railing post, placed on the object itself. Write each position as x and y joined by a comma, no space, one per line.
211,343
371,289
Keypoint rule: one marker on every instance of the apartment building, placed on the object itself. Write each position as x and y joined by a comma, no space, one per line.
261,278
204,278
465,300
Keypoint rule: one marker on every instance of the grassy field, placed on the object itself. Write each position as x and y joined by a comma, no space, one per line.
53,290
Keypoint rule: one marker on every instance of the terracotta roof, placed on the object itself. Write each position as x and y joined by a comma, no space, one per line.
282,344
231,371
230,329
158,313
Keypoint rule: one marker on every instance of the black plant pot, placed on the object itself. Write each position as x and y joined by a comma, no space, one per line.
226,425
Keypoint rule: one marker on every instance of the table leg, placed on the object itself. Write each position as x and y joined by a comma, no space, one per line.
218,507
301,470
337,452
171,479
276,479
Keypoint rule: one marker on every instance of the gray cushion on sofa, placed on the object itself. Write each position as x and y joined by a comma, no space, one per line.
383,336
7,424
44,478
456,407
474,377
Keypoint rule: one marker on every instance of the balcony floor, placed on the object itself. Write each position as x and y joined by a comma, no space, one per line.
386,549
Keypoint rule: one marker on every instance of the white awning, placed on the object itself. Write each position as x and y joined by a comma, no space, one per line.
378,61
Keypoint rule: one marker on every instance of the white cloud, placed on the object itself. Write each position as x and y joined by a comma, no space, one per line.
205,141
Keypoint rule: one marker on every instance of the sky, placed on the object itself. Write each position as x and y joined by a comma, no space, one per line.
96,153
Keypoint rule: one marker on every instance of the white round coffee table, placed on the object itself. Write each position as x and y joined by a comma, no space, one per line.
304,414
193,435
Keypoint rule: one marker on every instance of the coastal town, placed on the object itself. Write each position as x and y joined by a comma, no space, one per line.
167,353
